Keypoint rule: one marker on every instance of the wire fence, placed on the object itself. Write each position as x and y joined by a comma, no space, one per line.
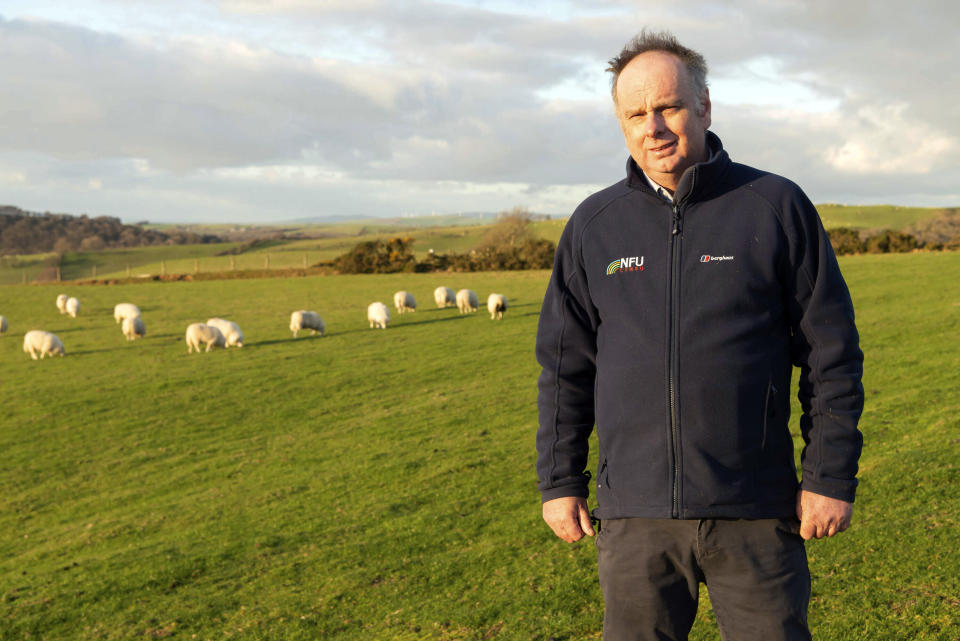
13,272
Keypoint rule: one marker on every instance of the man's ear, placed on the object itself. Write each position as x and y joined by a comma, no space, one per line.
705,108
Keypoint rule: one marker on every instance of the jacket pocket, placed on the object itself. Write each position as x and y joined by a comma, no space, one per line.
603,478
607,500
769,413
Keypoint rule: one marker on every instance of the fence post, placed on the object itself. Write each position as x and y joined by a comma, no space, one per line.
163,268
196,265
266,262
128,270
58,273
93,271
233,263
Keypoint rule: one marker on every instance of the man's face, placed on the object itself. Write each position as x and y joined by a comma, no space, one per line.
663,122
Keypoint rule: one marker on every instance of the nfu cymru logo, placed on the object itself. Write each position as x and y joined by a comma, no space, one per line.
631,264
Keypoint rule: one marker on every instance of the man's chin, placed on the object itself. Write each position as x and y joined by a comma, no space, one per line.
663,168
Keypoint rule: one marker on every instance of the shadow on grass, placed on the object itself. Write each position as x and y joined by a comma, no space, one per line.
83,352
280,341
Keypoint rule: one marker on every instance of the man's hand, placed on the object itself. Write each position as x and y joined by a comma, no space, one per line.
568,517
821,516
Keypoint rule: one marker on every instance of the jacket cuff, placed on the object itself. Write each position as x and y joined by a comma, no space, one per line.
840,490
563,491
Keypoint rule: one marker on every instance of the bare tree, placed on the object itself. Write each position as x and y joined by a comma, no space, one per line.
512,229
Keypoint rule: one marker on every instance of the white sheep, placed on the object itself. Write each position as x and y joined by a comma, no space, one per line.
3,325
304,319
496,305
37,341
62,303
467,301
133,327
230,330
72,306
378,315
404,302
125,310
444,296
201,333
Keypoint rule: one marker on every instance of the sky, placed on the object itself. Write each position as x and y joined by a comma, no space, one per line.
259,111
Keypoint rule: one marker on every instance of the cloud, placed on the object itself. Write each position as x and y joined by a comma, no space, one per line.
180,104
386,107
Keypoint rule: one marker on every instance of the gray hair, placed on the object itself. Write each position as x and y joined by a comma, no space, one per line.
666,42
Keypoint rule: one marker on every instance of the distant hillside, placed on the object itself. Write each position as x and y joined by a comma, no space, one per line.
874,216
24,232
420,220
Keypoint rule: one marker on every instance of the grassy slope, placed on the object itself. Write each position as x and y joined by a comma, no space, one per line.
380,484
873,216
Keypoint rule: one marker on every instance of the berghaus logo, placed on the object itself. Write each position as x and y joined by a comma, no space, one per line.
628,264
707,258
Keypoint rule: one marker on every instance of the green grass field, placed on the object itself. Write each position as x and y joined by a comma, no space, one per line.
380,485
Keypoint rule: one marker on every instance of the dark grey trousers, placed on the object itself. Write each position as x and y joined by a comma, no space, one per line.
755,571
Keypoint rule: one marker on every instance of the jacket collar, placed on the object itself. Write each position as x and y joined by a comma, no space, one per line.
695,179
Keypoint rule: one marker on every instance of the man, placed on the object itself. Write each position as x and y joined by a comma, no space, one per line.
680,299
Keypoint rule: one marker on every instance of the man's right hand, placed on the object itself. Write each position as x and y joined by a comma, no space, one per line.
568,517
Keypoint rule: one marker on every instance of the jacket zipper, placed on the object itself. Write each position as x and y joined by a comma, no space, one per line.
672,340
672,358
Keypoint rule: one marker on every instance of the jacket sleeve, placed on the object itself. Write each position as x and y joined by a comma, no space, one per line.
825,346
566,350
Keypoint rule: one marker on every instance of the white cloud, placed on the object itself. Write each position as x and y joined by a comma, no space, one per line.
291,108
13,177
884,140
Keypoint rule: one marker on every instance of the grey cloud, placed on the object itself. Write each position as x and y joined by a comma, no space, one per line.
429,94
76,93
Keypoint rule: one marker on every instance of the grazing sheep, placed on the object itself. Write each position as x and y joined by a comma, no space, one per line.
72,306
3,325
200,333
230,330
444,296
496,305
404,302
304,319
125,310
133,327
467,301
62,303
378,315
44,343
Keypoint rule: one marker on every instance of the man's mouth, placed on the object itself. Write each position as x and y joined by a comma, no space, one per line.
663,148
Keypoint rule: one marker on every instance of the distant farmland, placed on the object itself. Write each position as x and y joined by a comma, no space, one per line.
271,254
326,242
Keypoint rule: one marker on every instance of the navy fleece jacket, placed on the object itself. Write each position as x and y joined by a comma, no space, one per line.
674,328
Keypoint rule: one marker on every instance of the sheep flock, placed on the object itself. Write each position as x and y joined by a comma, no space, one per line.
224,333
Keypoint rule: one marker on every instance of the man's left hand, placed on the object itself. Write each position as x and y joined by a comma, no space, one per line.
821,516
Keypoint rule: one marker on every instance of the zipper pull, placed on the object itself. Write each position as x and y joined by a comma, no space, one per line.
676,220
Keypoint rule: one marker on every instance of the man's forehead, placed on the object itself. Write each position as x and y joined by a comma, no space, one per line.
651,72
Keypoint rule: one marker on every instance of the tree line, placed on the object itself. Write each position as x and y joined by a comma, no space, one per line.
24,232
509,244
942,231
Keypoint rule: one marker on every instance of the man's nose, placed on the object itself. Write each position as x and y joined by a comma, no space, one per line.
654,125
